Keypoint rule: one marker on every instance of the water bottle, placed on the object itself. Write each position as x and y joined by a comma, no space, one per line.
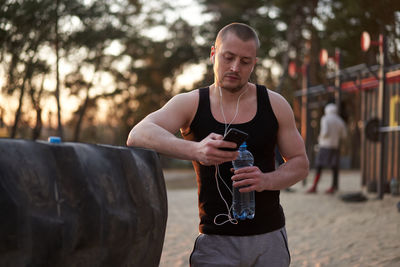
243,203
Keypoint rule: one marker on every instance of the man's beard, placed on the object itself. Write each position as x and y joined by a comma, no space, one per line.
232,88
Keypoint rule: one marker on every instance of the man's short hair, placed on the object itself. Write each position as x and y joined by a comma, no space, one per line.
243,31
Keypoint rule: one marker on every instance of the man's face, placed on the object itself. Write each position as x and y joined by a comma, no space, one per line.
234,61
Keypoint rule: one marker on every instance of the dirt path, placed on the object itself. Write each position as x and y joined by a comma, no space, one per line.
323,230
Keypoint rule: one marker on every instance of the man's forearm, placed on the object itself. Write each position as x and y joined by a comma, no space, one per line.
150,135
289,173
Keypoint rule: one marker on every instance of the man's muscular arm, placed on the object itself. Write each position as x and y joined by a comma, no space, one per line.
291,147
157,131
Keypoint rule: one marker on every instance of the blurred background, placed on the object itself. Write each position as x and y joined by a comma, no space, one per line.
89,70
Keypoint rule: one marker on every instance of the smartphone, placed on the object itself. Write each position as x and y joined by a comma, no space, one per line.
236,136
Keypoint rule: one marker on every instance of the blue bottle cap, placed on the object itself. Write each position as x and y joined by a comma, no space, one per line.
54,139
243,144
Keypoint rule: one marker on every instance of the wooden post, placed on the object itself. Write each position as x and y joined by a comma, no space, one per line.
338,90
304,111
304,101
381,112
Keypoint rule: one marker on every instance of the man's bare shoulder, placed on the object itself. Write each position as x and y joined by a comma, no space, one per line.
177,113
281,108
182,107
278,102
185,101
191,95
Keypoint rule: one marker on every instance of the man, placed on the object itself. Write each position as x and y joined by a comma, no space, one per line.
333,129
203,116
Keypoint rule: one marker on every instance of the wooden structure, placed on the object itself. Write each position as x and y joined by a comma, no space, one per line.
366,94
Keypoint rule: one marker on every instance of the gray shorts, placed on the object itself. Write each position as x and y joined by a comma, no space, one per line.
270,249
327,157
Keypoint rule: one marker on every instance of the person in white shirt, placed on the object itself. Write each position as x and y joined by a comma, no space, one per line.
333,130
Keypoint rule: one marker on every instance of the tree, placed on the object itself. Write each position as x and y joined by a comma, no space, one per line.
36,34
296,34
22,37
256,13
100,28
150,78
345,20
281,26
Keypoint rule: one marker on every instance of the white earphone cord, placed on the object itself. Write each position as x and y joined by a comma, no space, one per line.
217,172
222,109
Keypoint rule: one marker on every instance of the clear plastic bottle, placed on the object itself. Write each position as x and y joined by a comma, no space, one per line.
243,203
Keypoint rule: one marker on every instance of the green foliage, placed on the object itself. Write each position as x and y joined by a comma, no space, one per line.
351,17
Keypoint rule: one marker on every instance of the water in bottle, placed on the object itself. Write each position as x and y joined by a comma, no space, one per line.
243,203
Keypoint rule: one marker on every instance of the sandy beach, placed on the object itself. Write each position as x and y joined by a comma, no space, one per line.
323,230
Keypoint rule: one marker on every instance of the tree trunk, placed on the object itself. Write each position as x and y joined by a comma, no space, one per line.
57,92
20,103
18,112
81,114
36,104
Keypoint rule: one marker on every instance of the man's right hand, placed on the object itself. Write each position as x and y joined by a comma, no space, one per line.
209,153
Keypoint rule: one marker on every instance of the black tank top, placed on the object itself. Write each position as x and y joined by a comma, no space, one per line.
262,130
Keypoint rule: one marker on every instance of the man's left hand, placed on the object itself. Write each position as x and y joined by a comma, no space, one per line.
250,179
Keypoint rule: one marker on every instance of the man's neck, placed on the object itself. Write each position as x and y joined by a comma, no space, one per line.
230,94
237,107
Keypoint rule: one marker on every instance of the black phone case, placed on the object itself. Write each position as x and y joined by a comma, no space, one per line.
236,136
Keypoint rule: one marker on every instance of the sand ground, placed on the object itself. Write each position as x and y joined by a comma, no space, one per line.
323,230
